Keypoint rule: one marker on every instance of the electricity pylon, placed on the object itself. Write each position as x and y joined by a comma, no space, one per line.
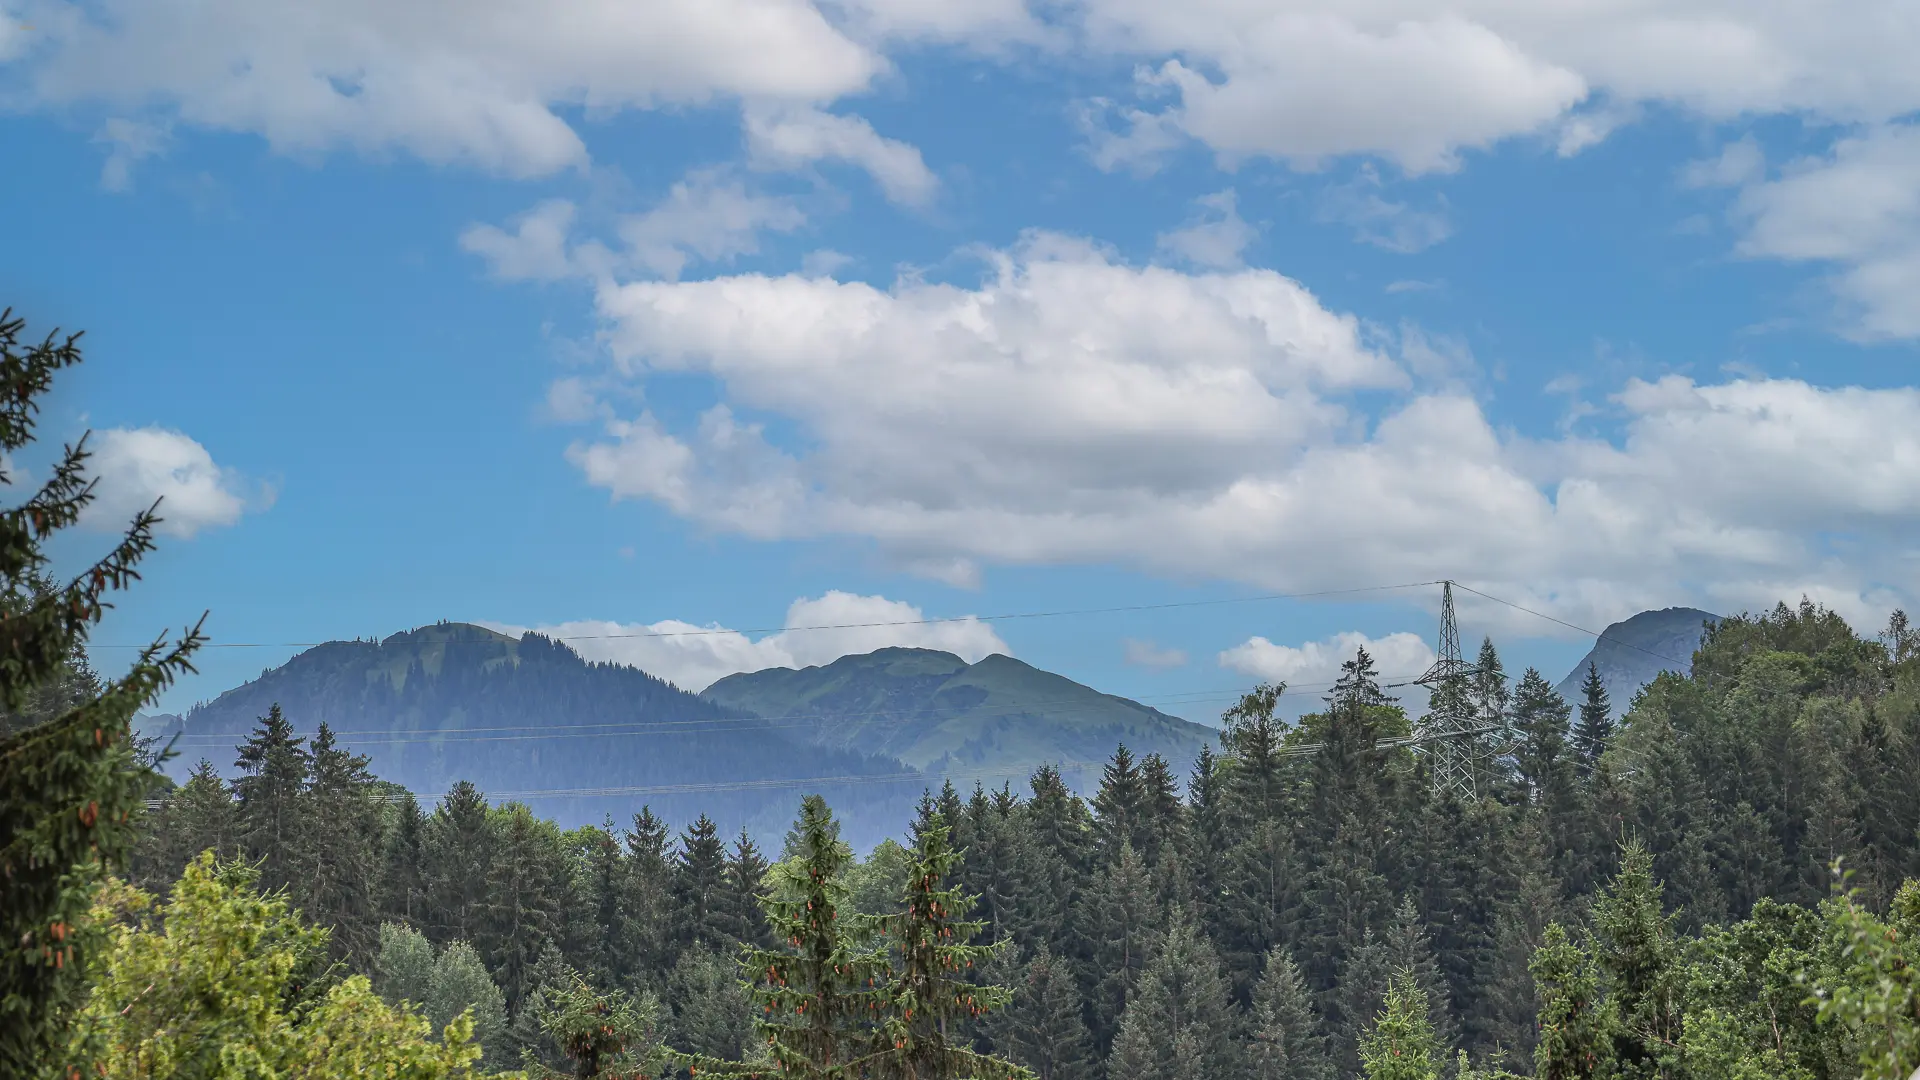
1450,729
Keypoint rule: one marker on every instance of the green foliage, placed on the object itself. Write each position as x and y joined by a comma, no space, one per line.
220,983
71,781
1285,1041
927,992
605,1035
818,995
1400,1044
1042,1028
1875,993
1576,1030
1180,1022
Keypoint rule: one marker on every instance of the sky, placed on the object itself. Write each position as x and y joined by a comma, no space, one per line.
683,328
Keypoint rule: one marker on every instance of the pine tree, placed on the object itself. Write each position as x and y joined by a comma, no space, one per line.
1637,952
1489,686
342,889
601,891
1120,806
1044,1028
742,920
458,983
1059,835
604,1035
1595,729
929,994
1576,1041
1400,1045
275,766
403,886
1161,812
648,910
713,1017
197,816
1285,1041
1180,1023
459,848
524,892
71,786
1124,919
699,885
819,994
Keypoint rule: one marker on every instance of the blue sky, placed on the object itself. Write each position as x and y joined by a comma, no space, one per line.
761,313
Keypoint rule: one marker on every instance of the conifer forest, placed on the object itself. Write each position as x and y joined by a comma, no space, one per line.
1721,884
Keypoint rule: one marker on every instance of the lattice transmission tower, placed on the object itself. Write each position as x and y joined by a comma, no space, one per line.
1450,730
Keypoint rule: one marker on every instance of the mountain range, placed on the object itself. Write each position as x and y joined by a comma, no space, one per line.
1631,652
994,720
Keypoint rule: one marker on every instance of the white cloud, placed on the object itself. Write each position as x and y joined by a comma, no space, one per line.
135,466
1216,239
694,657
1138,653
129,142
476,82
536,249
1307,80
794,138
1070,408
706,217
1856,208
1382,222
1314,665
1739,162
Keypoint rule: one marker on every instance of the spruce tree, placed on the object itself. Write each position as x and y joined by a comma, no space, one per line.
699,885
742,920
648,924
1120,806
71,786
459,848
403,885
1045,1027
1162,814
1595,728
1059,834
343,888
275,766
525,889
1180,1022
1400,1044
713,1017
1637,952
820,993
929,995
1123,919
1284,1040
195,817
1576,1040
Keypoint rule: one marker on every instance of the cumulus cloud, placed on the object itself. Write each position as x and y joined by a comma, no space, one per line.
1071,408
1314,665
1308,80
1855,208
794,138
536,249
134,466
1145,654
818,631
476,83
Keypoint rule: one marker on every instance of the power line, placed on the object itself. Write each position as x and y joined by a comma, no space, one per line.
1595,634
716,631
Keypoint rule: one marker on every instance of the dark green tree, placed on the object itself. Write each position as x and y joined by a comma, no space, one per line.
274,830
459,850
1180,1021
1284,1039
1045,1028
1594,731
1124,920
1120,806
929,994
820,994
1576,1031
699,885
71,785
343,883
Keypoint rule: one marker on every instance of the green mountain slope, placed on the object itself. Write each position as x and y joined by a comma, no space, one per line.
994,720
1630,653
458,702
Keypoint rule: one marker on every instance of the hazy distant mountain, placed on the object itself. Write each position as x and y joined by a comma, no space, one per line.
995,720
457,702
1630,653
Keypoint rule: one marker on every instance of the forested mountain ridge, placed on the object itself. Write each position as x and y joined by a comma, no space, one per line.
452,702
997,719
1632,652
1630,901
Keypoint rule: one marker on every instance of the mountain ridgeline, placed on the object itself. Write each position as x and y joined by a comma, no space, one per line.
453,702
993,721
1630,653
